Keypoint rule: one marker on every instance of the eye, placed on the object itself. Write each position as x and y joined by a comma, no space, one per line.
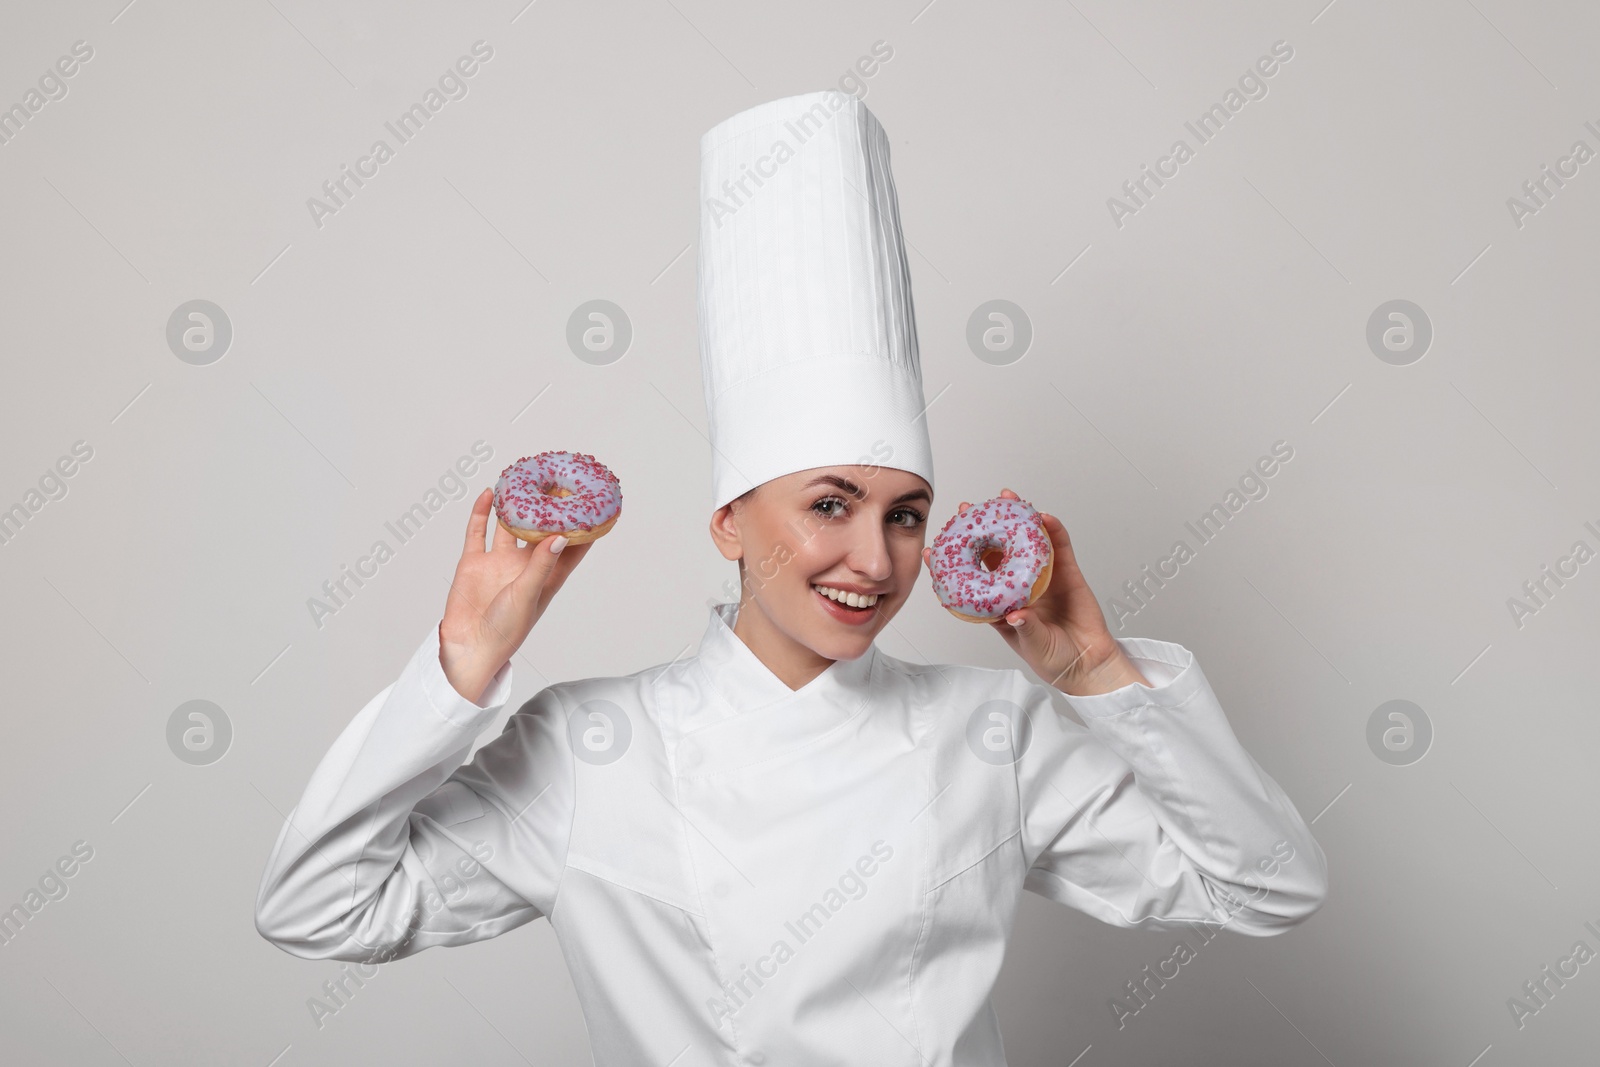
909,518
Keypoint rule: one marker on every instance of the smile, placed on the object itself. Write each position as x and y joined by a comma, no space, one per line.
853,601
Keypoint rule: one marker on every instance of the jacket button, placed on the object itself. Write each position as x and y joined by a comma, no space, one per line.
757,1056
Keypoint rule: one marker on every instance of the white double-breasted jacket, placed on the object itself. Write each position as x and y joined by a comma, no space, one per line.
739,873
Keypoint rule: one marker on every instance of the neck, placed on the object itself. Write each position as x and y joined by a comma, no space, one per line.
793,663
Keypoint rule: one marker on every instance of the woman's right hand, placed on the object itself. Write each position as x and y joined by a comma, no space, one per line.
495,598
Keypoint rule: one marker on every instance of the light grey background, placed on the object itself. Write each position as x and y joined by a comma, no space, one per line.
369,354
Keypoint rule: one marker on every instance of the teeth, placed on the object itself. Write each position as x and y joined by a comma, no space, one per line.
854,600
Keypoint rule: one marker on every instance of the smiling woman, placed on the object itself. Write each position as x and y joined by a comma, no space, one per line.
839,583
685,855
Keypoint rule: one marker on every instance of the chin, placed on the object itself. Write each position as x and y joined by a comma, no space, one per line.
847,647
839,641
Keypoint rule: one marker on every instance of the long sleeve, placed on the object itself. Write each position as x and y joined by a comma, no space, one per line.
1156,815
396,847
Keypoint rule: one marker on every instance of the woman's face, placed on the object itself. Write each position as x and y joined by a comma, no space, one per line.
846,529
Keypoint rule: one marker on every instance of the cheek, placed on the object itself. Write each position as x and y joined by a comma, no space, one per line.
807,556
908,559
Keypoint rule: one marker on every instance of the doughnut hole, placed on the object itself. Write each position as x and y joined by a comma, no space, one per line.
555,490
991,556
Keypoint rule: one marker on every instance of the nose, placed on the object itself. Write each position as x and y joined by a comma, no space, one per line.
869,552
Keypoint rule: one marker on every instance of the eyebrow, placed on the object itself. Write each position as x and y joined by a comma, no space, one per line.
859,493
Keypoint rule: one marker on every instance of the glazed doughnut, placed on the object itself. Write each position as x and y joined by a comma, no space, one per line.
558,493
992,559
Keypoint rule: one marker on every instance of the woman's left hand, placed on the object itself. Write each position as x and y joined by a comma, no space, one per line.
1062,635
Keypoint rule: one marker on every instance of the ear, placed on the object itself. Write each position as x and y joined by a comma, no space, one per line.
725,533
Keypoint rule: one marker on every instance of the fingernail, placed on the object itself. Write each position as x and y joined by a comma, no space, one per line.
557,543
1014,620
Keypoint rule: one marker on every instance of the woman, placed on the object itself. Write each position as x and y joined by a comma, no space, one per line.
790,847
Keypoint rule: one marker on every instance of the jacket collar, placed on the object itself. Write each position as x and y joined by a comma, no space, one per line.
751,714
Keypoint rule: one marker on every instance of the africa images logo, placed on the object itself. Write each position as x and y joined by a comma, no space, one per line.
851,885
452,85
736,192
1252,86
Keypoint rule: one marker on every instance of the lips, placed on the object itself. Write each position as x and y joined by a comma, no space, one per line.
843,612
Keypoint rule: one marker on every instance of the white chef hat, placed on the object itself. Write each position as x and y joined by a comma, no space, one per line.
808,341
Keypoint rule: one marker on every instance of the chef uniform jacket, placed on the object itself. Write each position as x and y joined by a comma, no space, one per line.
740,873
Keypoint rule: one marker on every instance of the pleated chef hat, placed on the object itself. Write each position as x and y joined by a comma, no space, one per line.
808,342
